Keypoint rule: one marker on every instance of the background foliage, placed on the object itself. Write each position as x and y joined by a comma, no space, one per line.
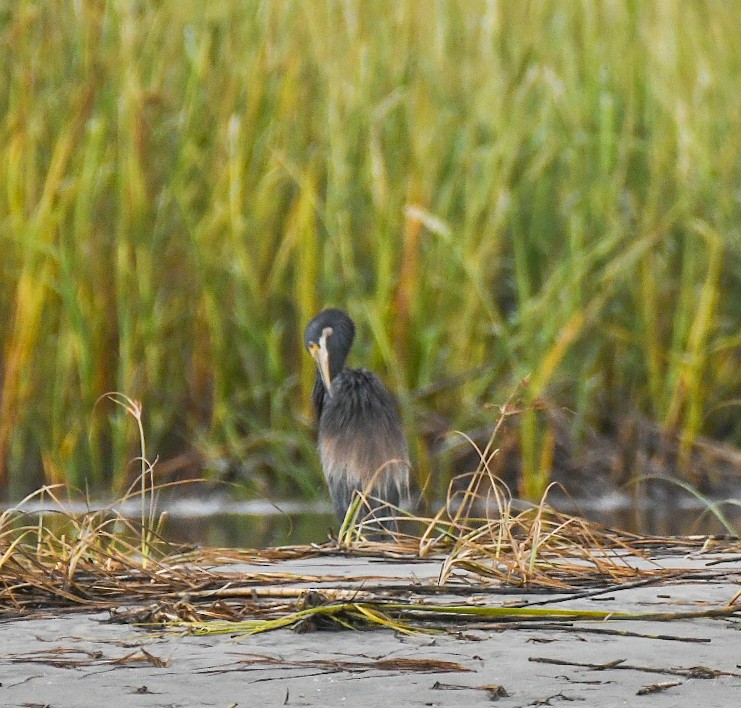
543,191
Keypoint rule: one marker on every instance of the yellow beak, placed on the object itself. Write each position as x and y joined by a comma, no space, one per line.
320,354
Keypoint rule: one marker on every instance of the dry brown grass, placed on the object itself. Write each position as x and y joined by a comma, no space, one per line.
98,561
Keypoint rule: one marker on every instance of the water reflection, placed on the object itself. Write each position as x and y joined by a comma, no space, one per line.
246,530
671,516
230,530
220,522
667,521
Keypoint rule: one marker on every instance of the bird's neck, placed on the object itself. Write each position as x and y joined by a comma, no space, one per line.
317,396
319,392
336,364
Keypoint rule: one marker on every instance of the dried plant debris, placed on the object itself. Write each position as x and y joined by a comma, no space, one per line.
494,691
657,687
477,568
401,665
65,658
695,672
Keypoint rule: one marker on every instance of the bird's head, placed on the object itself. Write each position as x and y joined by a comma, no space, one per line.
328,338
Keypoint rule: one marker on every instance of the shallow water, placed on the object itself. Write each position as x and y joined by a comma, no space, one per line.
234,530
219,522
256,525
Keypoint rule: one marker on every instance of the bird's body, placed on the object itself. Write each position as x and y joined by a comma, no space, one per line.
361,437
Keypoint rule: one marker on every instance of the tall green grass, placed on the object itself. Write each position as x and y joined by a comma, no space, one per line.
550,190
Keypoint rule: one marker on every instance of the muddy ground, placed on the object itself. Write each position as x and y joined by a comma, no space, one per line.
78,659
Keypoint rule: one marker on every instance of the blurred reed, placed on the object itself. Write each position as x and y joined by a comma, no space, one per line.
547,192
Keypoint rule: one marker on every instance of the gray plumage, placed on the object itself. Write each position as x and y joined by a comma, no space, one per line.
361,437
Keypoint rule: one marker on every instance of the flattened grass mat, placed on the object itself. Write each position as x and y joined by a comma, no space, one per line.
450,570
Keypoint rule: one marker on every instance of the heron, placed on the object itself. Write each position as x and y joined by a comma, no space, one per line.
361,438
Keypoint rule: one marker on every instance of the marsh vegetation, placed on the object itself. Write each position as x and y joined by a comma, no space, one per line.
526,202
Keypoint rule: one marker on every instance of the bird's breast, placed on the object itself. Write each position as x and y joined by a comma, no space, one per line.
360,430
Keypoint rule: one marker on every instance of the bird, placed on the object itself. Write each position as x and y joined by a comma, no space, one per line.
361,438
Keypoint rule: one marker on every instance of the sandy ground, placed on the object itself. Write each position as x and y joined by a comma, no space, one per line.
81,660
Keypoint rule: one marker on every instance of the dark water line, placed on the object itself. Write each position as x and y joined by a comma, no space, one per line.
216,521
